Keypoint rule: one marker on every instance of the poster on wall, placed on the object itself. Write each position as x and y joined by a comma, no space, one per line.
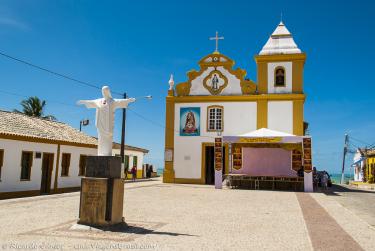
218,154
237,157
190,121
307,162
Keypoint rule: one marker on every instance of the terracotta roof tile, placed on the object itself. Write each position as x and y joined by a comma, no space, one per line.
17,124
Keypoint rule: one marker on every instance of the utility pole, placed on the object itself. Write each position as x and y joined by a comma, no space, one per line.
343,158
122,151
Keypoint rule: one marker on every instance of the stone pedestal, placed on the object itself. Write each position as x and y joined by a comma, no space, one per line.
102,192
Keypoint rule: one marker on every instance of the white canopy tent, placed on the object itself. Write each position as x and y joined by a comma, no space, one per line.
263,137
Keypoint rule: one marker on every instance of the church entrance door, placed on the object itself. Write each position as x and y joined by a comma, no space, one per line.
210,164
210,170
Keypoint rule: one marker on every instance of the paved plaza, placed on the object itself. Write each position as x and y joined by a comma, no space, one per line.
186,217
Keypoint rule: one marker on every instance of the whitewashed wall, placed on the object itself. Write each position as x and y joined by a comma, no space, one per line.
239,118
271,77
131,154
73,180
11,170
280,116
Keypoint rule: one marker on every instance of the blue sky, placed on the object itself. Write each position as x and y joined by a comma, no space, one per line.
133,46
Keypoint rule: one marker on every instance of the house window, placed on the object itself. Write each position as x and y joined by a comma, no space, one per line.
215,118
1,160
126,162
82,165
135,161
279,76
65,164
26,163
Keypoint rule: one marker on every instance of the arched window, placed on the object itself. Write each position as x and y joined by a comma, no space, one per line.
215,118
280,76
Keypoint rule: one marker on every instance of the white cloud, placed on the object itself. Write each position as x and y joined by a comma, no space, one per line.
14,23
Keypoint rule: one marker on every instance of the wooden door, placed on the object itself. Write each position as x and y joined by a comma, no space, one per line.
210,170
47,167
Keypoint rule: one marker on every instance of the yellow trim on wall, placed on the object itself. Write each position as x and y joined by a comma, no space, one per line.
280,57
298,117
262,77
42,140
297,76
245,98
168,173
298,61
262,114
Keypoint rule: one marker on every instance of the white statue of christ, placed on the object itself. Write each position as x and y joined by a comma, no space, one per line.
105,113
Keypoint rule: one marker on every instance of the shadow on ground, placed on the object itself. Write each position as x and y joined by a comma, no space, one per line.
335,190
132,229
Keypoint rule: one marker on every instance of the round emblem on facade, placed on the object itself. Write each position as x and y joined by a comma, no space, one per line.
215,82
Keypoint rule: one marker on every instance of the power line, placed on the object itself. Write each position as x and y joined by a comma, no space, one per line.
358,140
53,72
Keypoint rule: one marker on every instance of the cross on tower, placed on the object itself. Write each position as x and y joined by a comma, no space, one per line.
217,38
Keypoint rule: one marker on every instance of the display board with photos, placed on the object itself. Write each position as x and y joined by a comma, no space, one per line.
237,157
296,159
218,154
307,159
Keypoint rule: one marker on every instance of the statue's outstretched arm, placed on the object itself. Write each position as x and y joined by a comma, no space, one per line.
123,103
88,103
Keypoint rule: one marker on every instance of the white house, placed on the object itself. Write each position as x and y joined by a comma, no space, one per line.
39,156
134,156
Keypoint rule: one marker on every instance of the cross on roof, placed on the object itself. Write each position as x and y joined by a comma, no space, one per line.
217,38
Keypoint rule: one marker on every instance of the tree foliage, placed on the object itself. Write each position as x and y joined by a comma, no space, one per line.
33,106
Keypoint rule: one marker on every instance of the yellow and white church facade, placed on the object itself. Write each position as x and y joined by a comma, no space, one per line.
219,100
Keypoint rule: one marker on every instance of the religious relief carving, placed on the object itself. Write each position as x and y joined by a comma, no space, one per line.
216,60
215,82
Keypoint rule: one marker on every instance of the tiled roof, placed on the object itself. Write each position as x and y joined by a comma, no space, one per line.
20,125
280,42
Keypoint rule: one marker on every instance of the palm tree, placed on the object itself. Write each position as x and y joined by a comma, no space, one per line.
34,107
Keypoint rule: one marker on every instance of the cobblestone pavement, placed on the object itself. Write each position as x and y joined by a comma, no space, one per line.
188,217
359,201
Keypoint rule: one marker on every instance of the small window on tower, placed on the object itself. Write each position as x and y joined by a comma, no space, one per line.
279,76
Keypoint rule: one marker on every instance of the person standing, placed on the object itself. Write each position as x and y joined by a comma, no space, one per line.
324,181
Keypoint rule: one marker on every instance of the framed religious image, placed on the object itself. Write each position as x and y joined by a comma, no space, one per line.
307,158
307,143
168,155
190,121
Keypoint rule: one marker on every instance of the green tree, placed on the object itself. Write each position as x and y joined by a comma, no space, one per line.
33,106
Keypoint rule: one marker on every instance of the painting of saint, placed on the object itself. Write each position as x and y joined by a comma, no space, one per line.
190,121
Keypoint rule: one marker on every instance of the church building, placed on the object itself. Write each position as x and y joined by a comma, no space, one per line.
219,101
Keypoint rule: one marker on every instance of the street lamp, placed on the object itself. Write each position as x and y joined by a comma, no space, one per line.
83,122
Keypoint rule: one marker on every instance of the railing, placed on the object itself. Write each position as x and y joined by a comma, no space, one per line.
264,182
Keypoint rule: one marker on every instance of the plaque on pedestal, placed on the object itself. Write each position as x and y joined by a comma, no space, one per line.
102,192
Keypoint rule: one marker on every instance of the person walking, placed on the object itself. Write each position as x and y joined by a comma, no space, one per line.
134,172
